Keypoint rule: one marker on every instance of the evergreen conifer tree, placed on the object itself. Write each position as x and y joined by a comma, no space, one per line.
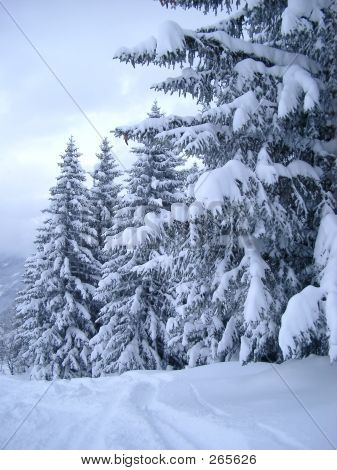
54,310
29,306
104,194
132,335
263,76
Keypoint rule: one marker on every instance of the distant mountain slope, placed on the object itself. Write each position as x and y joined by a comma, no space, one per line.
11,269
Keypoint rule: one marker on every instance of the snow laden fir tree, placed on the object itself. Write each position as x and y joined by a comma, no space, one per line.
55,310
264,76
104,194
30,319
132,289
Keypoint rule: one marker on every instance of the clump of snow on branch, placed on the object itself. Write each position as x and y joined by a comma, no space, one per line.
299,14
132,237
301,316
296,80
244,107
306,309
269,172
230,181
326,259
170,39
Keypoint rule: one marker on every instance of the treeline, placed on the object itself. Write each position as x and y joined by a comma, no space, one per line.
234,259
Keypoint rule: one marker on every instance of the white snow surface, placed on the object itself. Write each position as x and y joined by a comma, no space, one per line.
219,406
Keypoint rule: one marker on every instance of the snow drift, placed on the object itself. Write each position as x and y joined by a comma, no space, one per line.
221,406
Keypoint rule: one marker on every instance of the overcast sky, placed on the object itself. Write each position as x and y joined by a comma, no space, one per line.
77,38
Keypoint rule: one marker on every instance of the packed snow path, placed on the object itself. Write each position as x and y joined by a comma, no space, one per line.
221,406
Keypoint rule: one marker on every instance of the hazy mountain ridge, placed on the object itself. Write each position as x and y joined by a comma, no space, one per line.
11,269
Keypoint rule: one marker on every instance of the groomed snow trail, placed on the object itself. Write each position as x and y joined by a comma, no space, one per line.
221,406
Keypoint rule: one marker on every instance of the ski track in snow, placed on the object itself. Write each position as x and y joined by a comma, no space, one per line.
222,406
205,404
280,437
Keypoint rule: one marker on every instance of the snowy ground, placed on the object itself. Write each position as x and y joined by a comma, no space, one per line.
222,406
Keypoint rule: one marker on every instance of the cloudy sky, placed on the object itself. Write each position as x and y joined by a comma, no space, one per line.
77,39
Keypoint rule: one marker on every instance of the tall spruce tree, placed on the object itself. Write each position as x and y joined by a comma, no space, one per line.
30,319
132,335
60,281
104,194
266,135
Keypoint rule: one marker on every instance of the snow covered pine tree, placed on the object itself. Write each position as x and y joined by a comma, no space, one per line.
56,305
30,319
104,194
266,135
133,317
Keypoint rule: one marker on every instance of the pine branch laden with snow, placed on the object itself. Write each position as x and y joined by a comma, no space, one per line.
309,323
193,331
292,72
231,8
262,76
152,126
249,294
206,6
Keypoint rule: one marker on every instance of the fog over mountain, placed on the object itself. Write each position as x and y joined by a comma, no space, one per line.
11,269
